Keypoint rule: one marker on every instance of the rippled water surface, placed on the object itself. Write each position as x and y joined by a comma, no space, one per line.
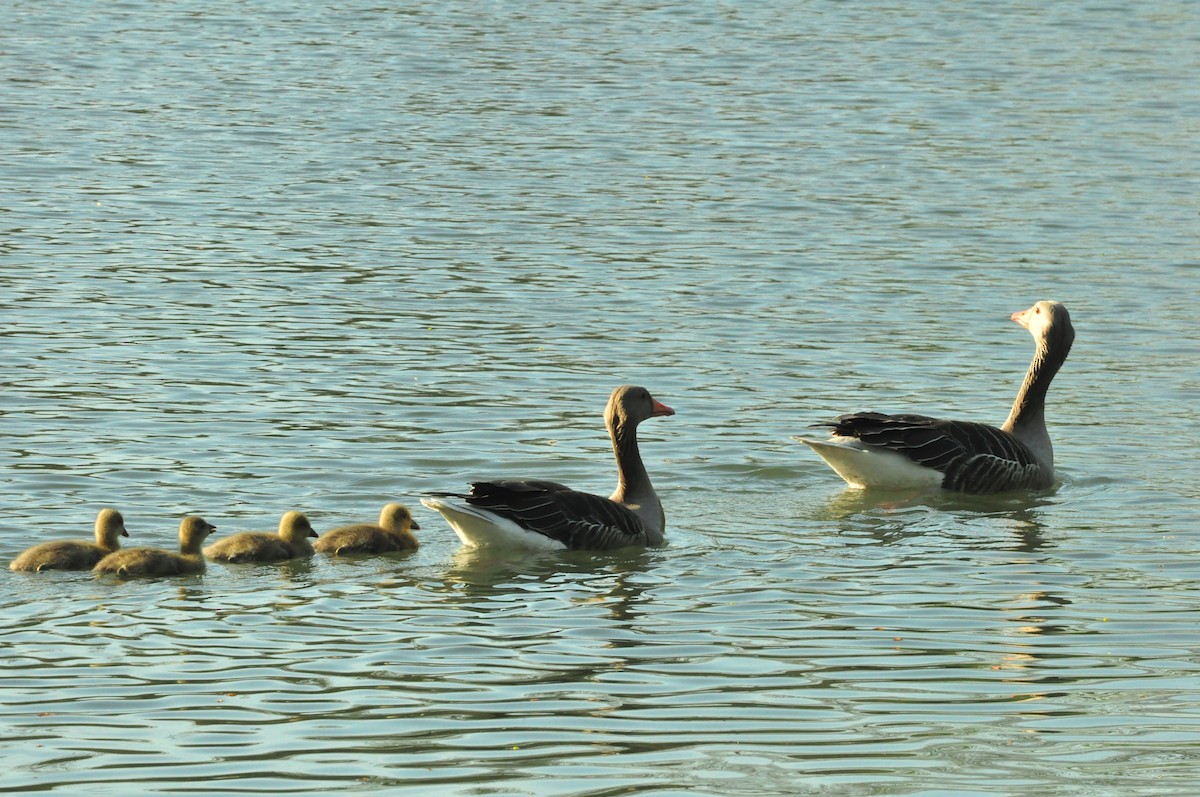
268,256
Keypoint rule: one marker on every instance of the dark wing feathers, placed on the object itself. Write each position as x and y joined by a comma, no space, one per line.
577,520
974,457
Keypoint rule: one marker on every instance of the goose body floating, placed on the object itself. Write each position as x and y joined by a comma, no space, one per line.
135,562
262,546
874,450
75,554
537,514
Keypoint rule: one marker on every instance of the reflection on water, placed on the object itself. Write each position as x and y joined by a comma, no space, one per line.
612,580
889,514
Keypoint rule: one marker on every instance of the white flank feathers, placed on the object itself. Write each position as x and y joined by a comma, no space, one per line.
478,528
865,466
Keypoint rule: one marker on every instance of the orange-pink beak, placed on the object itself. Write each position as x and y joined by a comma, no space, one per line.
660,409
1022,317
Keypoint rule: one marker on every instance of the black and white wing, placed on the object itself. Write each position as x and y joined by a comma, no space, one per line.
973,457
576,519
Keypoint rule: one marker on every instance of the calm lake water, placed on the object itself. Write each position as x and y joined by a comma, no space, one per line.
268,256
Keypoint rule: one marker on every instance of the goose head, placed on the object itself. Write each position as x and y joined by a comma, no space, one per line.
629,405
1050,324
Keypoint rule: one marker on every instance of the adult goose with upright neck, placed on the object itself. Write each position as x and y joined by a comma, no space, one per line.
871,449
551,516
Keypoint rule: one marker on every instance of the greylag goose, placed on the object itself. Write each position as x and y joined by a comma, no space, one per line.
871,449
133,562
75,554
262,546
548,515
393,533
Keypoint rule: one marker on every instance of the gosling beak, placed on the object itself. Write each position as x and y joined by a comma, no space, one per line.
415,525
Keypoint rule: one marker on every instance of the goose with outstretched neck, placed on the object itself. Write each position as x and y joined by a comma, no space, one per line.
871,449
551,516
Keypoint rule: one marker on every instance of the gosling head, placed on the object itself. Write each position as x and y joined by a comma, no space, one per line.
110,526
396,517
192,532
294,527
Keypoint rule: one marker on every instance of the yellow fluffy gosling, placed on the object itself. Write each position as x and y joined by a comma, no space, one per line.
392,534
133,562
263,546
75,554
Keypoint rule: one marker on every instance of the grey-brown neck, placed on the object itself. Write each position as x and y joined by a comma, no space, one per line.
1027,419
634,489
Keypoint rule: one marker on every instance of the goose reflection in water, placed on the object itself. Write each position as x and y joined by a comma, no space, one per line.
893,515
614,579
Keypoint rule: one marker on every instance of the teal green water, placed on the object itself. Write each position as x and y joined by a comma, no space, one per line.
260,257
